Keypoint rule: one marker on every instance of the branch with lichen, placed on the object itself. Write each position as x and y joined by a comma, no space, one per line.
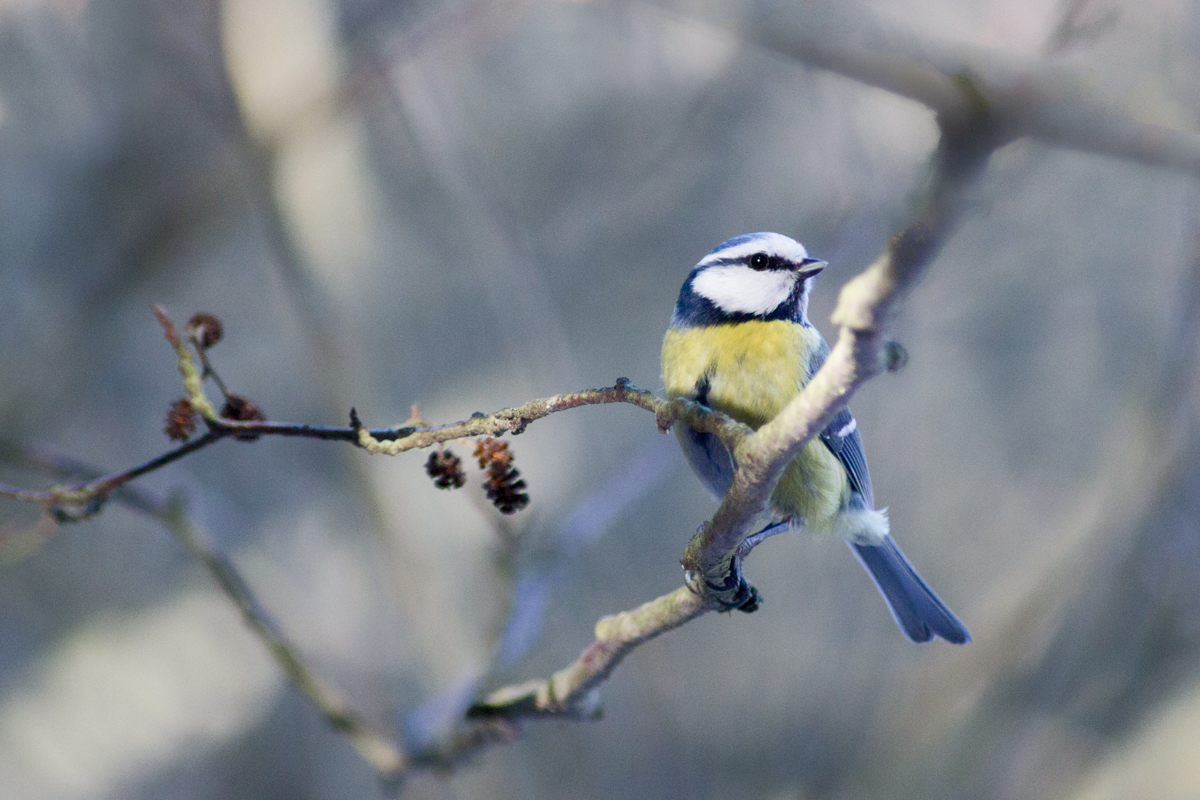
71,502
861,352
242,420
569,692
979,107
713,557
390,441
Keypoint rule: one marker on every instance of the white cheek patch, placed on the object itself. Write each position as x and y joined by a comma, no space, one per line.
736,289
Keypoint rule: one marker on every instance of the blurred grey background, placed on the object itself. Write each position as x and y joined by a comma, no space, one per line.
468,205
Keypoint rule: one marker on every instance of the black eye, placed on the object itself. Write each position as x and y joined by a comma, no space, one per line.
759,261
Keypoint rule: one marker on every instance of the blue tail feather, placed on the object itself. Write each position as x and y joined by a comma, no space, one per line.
918,611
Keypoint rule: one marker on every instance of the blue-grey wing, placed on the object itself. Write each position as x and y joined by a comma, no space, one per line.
842,438
708,458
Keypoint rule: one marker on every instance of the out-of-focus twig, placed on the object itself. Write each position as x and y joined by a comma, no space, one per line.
380,751
595,514
1025,96
431,726
1065,640
1075,27
1029,97
90,495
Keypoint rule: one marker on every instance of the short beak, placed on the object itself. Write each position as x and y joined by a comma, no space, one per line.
811,266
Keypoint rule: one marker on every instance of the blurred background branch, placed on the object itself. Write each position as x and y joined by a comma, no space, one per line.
375,749
485,197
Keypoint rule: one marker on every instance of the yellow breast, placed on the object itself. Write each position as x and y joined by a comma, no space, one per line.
752,370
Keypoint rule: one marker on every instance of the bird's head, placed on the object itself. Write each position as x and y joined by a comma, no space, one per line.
762,276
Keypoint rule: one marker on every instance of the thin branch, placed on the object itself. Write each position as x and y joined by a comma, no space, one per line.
383,753
567,692
864,307
103,486
982,100
515,420
714,555
380,751
975,118
90,495
83,494
390,759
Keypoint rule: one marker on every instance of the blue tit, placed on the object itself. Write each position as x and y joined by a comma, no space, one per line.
740,342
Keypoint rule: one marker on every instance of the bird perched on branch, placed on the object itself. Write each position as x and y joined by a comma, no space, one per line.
740,342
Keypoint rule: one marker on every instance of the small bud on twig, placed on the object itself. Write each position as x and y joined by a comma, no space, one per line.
503,484
240,409
490,451
446,470
181,421
168,327
204,329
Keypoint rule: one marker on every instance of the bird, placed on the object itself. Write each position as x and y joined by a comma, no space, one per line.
740,342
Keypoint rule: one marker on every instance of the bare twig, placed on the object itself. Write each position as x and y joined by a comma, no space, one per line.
90,495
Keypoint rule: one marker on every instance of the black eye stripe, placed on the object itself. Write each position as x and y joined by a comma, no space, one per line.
760,261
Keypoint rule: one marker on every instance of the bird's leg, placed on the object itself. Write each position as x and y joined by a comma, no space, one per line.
743,596
755,539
